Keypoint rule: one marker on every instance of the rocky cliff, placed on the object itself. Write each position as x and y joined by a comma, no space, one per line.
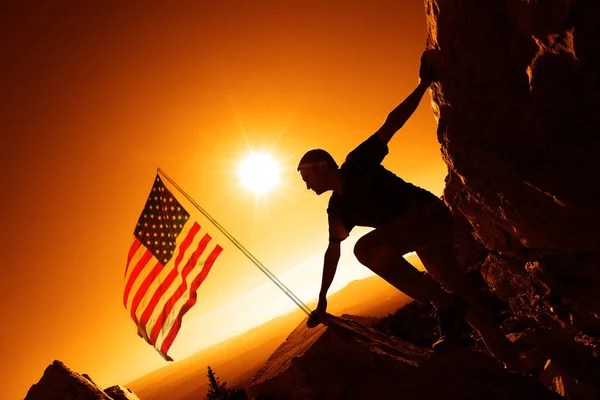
518,110
59,382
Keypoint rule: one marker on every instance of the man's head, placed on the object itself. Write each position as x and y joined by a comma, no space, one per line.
318,168
315,158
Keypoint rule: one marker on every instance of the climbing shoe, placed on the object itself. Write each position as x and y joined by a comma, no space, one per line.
451,321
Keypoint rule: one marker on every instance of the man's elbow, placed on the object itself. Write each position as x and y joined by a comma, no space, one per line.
384,134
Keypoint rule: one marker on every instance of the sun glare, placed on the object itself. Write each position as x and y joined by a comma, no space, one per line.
259,172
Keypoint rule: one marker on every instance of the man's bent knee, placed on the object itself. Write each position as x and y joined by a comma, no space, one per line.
365,250
371,249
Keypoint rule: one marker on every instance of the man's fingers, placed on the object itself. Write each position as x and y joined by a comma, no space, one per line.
430,64
313,320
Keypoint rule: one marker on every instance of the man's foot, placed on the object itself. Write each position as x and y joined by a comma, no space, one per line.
446,341
451,321
515,366
512,361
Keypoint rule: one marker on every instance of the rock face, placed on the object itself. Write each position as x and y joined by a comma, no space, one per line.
518,109
342,359
518,106
60,383
462,374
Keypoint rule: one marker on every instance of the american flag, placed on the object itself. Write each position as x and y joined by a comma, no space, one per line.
170,257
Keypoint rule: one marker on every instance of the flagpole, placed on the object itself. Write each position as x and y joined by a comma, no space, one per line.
237,244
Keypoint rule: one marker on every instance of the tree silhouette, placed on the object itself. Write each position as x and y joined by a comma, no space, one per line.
216,389
219,391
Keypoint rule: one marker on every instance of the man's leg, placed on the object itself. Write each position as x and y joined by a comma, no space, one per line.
384,258
439,260
428,230
443,266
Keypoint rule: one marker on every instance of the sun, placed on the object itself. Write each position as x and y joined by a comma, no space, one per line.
259,172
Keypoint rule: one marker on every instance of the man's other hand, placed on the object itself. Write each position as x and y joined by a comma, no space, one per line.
427,69
315,317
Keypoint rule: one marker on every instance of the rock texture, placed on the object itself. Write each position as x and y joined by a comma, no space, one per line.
518,109
119,392
461,374
335,360
60,383
342,359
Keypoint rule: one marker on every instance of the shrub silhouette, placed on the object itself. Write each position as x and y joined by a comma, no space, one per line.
219,391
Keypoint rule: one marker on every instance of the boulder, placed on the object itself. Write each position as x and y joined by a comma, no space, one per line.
337,359
341,359
118,392
60,383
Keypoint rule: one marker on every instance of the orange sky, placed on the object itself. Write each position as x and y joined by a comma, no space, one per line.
96,95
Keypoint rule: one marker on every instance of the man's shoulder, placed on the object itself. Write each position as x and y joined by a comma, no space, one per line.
371,151
334,198
358,167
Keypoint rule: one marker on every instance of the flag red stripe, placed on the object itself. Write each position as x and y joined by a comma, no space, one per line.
156,298
180,290
141,292
134,248
187,242
170,278
135,273
164,348
164,286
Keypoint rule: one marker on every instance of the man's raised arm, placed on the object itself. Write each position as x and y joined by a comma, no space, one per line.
399,115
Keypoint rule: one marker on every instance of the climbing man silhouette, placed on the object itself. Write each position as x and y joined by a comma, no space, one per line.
406,218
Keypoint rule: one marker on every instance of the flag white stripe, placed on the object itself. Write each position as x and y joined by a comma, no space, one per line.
141,276
148,268
173,286
172,317
162,277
